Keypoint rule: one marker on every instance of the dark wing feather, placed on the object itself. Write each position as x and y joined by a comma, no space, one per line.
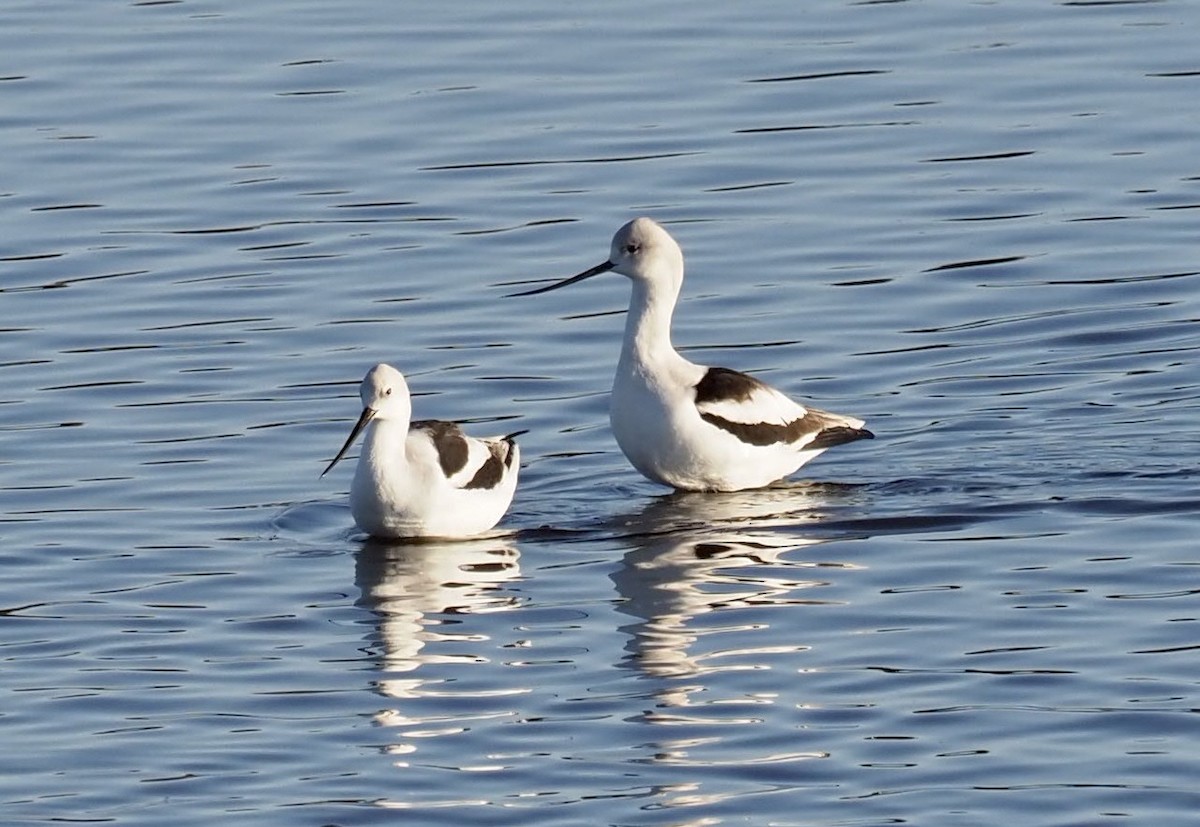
757,414
500,457
449,441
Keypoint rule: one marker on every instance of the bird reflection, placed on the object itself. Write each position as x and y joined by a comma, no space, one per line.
698,554
784,506
669,582
408,585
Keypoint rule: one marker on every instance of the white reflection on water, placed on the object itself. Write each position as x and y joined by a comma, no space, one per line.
412,589
668,583
705,601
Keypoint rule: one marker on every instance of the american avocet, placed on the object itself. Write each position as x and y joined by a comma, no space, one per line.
425,478
692,427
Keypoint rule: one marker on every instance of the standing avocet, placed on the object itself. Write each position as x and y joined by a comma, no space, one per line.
425,478
692,427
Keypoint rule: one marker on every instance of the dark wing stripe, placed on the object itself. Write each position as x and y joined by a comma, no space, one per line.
449,442
492,470
769,433
838,435
762,433
725,385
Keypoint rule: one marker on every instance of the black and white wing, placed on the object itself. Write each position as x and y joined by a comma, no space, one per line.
465,461
757,414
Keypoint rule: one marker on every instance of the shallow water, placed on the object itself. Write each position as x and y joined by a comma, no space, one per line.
973,225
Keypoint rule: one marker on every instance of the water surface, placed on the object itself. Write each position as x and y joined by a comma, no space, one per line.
973,225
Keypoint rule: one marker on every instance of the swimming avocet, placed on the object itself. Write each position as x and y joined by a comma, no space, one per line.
692,427
424,478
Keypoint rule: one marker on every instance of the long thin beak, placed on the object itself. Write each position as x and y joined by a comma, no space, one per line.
586,274
367,415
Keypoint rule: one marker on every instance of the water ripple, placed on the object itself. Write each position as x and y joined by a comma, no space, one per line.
973,225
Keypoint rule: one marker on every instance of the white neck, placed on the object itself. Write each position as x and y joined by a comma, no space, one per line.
647,346
384,444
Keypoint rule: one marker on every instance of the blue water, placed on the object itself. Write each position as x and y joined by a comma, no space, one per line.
973,225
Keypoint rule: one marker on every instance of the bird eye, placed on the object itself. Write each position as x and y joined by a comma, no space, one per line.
387,392
631,249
